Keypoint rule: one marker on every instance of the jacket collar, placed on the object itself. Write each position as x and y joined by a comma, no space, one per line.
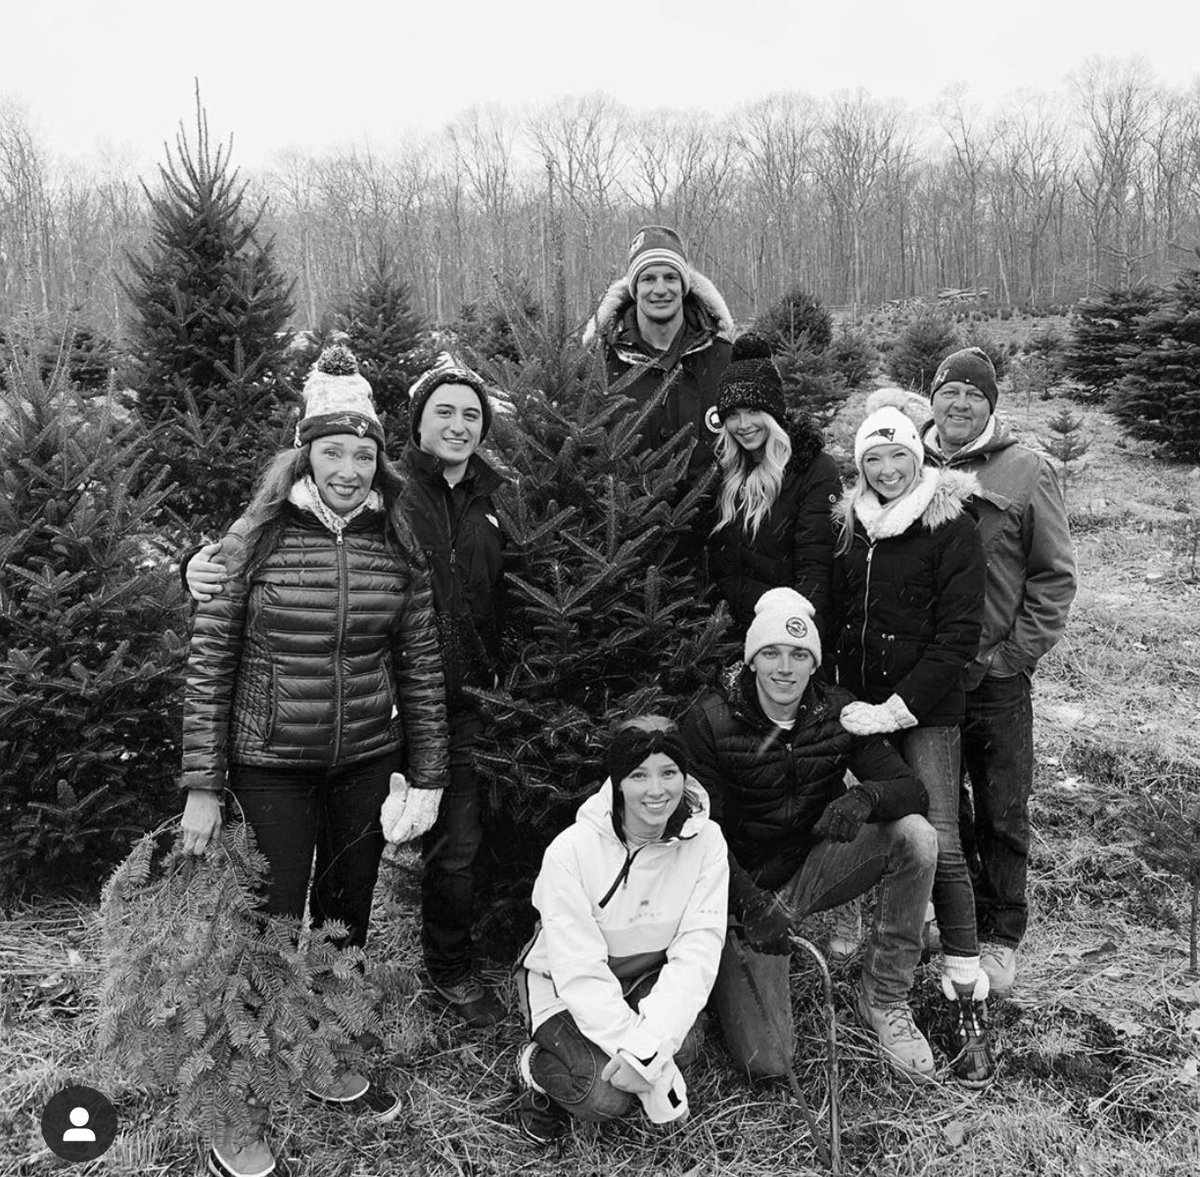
427,467
704,299
737,685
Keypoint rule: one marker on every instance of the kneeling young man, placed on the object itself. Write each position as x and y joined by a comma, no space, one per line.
768,747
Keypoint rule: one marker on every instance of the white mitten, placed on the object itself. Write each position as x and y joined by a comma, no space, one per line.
407,813
666,1100
867,719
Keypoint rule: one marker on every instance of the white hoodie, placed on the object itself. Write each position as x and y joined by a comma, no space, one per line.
603,907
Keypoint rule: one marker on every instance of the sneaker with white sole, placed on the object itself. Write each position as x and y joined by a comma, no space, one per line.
999,961
903,1046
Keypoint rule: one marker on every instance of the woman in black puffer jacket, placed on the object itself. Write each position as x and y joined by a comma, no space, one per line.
908,598
770,523
311,675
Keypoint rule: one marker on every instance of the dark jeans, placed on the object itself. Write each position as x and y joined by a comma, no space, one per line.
568,1065
333,812
901,856
449,851
933,753
998,758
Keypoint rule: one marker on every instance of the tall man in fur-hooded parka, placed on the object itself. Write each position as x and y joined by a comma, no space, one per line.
662,321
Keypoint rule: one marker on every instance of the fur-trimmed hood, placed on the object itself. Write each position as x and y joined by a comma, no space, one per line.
703,296
945,498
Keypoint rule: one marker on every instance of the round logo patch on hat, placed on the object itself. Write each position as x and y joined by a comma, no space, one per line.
713,420
796,627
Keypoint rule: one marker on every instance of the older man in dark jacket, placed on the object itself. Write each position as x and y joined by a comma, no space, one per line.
1027,595
769,748
664,325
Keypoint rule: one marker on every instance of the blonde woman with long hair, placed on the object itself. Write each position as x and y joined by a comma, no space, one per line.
771,517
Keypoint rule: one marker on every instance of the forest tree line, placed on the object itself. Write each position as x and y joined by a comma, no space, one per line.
1040,201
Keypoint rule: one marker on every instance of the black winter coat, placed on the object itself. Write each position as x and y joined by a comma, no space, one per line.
303,666
794,545
459,532
910,606
693,365
768,786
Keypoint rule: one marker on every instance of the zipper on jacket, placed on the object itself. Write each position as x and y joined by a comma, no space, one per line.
863,636
623,874
343,608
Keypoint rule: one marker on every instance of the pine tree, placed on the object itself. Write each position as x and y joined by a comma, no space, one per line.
207,1000
1067,445
385,333
606,616
810,382
90,654
1103,338
921,346
209,339
797,317
1158,398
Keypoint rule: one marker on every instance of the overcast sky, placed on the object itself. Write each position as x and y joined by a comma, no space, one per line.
119,73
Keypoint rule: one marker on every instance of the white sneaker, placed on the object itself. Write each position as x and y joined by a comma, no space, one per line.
999,961
901,1043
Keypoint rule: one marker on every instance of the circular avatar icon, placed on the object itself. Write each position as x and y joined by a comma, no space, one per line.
79,1124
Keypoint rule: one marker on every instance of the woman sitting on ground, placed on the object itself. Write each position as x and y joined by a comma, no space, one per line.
632,900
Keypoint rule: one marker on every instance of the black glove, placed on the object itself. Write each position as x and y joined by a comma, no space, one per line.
766,925
843,817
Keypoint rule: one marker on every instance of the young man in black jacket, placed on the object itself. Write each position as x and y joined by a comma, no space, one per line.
769,748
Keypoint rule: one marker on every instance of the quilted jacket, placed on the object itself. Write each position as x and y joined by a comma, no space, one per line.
304,665
768,786
794,544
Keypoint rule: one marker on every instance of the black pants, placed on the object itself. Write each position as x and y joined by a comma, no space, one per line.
334,813
449,851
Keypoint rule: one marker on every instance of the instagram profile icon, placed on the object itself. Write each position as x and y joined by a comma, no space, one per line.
79,1124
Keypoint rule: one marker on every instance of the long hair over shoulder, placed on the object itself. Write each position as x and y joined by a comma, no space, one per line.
256,533
749,488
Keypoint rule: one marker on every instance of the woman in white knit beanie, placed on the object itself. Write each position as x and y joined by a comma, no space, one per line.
908,597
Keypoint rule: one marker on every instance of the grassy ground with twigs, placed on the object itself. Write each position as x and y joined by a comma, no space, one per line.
1099,1047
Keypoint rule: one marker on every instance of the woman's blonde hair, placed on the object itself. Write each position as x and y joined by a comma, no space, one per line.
749,488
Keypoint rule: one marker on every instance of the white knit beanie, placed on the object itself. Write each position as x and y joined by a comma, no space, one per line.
887,426
782,617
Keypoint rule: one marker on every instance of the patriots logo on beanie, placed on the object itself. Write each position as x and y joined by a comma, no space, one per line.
888,433
337,399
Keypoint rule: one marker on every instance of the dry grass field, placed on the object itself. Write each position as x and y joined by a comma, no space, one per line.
1099,1046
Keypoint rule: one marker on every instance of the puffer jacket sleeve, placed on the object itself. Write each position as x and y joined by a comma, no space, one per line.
420,688
959,572
813,537
216,648
894,790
